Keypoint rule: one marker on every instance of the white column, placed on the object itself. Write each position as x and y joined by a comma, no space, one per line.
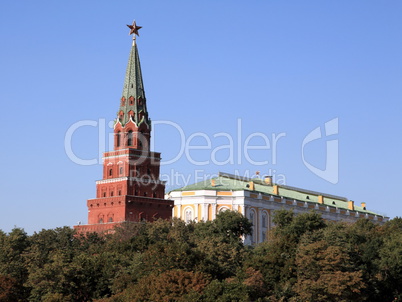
206,213
196,212
214,210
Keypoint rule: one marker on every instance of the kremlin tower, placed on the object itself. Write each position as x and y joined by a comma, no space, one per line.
130,190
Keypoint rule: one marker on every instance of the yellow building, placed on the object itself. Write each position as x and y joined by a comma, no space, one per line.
257,199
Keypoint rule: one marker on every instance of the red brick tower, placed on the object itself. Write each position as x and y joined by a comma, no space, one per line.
130,189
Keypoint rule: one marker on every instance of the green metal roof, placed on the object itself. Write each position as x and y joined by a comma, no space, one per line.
228,182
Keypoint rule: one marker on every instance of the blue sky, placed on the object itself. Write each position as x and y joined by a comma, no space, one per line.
281,68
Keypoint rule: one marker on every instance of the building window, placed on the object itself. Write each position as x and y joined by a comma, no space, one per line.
119,192
110,219
100,220
188,215
252,220
130,138
131,114
264,220
223,209
118,139
104,194
111,193
110,172
121,170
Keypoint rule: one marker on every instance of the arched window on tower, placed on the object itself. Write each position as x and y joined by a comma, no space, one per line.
130,138
110,172
118,135
131,115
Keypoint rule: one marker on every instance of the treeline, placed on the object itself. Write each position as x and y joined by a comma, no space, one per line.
305,259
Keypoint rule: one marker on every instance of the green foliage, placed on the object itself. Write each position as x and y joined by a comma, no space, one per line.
390,263
275,259
223,291
325,272
305,259
8,292
173,285
12,247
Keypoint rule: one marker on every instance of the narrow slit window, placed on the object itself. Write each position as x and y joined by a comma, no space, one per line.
130,138
118,139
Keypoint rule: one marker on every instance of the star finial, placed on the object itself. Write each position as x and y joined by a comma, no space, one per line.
134,29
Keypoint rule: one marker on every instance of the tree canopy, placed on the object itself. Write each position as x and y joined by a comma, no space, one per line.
305,259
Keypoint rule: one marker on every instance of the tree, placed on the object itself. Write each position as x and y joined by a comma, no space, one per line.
275,259
219,246
7,289
173,285
325,273
12,263
232,224
390,264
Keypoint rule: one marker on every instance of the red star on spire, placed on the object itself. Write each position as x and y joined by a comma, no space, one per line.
134,29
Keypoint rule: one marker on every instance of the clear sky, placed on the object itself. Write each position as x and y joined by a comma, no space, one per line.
226,73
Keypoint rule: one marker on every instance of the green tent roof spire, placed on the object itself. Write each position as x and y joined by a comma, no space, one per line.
133,101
